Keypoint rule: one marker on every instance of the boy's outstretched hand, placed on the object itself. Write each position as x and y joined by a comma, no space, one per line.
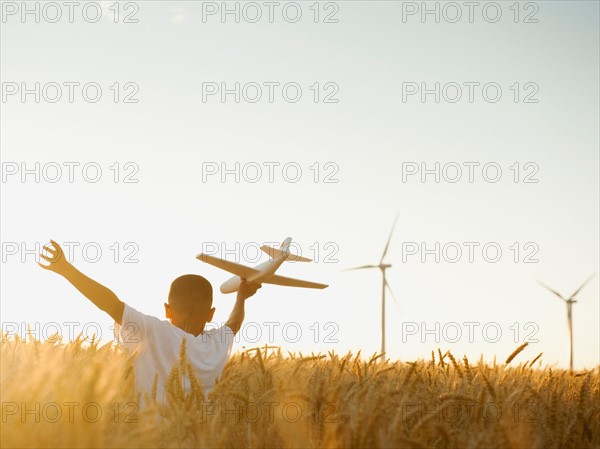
101,296
58,261
247,289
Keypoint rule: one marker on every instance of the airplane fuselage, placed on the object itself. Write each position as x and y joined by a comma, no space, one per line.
265,270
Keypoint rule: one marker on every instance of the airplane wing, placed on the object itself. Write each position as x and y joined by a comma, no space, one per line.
234,268
290,282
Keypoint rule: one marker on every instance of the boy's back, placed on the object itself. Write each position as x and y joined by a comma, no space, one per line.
157,344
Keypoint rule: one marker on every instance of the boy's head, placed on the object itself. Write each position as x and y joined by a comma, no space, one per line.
190,301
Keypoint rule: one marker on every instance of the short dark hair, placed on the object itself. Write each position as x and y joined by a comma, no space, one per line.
191,292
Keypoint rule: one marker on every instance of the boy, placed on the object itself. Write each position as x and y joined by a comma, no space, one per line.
157,343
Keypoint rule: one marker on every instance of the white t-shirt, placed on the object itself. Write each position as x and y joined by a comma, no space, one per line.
157,345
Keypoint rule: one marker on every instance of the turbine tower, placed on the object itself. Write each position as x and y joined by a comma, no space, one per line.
384,285
569,302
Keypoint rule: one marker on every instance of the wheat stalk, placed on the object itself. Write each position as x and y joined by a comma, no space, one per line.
515,353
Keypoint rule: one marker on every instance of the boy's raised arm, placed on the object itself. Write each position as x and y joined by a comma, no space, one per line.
236,318
101,296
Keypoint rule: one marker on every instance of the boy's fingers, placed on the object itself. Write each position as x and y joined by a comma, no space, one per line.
43,256
56,245
50,250
43,266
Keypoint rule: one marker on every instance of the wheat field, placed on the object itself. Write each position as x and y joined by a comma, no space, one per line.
81,395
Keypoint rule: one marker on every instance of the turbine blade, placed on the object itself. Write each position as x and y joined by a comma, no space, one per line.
553,291
361,267
387,245
582,285
389,287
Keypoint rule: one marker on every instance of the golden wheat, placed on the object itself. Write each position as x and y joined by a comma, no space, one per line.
81,395
516,352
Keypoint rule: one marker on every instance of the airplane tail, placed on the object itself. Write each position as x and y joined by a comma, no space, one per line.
284,250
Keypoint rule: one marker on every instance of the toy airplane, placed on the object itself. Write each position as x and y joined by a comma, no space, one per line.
263,273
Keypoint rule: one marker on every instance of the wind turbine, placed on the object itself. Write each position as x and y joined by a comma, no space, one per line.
382,266
569,302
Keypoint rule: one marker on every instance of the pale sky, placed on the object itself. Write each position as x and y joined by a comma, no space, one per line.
369,57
